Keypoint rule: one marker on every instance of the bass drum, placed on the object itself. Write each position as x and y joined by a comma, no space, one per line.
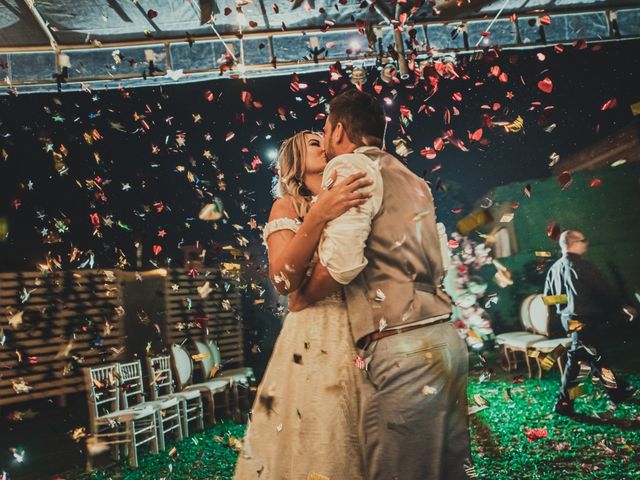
539,316
525,317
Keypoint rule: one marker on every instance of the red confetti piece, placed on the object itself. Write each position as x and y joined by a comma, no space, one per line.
151,14
378,89
580,44
253,24
276,9
564,179
227,12
541,56
453,243
429,153
209,96
157,249
504,78
476,136
553,231
457,97
495,70
456,210
609,104
527,190
438,144
534,434
546,20
595,183
546,85
229,136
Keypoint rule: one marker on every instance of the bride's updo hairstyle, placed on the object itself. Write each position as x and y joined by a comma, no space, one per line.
291,170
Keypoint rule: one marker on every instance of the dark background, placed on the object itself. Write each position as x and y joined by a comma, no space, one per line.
584,78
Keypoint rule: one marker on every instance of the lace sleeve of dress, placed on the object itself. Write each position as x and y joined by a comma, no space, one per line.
277,225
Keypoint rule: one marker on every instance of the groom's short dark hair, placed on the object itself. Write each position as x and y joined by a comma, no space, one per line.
361,116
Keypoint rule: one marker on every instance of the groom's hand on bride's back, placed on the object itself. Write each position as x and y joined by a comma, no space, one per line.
334,200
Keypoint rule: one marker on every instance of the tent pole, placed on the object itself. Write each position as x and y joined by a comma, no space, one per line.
31,5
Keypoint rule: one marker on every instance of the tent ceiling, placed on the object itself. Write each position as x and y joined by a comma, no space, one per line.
115,39
77,22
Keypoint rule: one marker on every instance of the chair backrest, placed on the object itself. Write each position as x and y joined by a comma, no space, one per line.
131,384
206,358
103,390
215,353
160,378
183,365
525,317
540,316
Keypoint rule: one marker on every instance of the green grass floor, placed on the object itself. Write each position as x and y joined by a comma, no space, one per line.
602,443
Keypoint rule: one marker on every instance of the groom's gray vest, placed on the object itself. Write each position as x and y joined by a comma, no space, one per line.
401,282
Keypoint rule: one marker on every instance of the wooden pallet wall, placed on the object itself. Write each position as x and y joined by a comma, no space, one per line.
218,316
51,327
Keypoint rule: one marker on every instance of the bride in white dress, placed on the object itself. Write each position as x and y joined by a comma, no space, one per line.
304,423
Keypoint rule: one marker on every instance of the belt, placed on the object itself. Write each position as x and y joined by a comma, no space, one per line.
374,337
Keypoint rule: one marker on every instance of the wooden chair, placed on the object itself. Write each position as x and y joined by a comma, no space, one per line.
183,366
161,386
112,426
167,410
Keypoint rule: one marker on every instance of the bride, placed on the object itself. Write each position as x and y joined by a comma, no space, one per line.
305,416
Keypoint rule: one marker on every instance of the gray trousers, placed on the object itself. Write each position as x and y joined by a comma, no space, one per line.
414,423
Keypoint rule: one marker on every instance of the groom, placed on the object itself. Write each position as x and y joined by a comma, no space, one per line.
386,256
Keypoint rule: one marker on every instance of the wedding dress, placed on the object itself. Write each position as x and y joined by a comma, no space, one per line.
304,423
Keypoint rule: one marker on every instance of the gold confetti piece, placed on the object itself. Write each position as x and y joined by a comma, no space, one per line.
608,378
428,390
398,243
316,476
15,320
282,278
380,296
551,358
200,356
575,325
506,218
419,216
543,254
549,300
78,433
575,392
21,386
617,163
173,451
383,324
635,109
205,290
65,350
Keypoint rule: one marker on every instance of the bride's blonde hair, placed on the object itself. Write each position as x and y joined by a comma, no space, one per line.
291,169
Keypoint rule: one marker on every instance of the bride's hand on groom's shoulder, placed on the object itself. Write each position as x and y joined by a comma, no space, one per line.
338,199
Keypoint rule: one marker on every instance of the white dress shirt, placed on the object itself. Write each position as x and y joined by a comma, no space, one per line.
342,245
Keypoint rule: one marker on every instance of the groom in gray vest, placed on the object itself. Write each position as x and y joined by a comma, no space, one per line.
386,256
